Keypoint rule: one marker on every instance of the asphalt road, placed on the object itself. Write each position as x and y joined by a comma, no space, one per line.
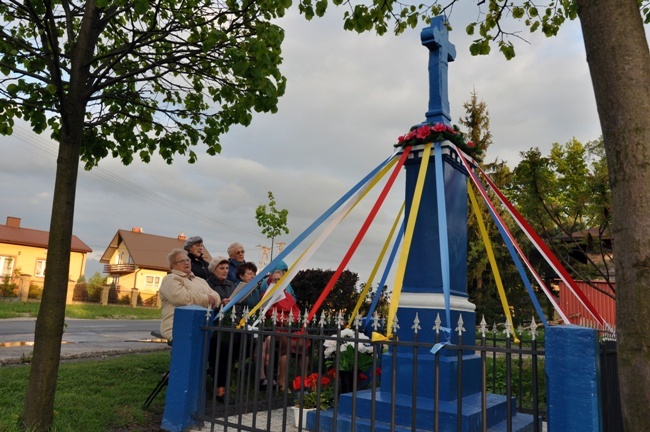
82,338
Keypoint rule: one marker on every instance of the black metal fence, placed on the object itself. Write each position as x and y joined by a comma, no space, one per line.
256,374
611,402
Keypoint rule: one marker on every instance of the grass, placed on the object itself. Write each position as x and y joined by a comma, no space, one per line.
87,311
98,395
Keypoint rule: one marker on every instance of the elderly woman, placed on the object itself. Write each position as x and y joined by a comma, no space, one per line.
181,288
219,282
236,254
194,248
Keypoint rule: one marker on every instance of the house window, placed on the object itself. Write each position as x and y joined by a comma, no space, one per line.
6,266
152,281
40,268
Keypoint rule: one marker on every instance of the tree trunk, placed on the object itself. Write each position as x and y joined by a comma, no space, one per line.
619,63
39,400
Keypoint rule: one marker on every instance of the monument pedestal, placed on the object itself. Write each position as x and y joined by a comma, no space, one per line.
447,421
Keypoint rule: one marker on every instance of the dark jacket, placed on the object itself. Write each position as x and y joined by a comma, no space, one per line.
232,267
200,266
225,289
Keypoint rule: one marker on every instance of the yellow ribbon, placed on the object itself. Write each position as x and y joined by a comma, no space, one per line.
490,254
408,237
373,273
371,184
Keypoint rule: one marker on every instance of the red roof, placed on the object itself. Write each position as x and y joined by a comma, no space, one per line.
36,238
147,250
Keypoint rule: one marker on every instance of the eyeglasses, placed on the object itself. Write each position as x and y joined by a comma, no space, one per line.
239,252
183,261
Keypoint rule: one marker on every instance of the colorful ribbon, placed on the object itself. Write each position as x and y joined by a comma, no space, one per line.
408,238
362,232
371,278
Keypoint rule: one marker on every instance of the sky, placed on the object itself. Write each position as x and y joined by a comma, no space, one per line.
348,98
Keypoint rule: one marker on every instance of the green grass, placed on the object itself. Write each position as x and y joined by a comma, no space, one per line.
100,395
87,311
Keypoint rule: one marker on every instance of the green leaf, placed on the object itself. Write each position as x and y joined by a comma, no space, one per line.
141,6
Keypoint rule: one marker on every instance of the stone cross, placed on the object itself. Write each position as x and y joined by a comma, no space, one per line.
441,52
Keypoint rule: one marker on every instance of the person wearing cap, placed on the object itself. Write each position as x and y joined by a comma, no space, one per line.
181,288
280,268
236,254
194,248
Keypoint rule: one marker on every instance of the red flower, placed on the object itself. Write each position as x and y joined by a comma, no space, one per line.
362,376
378,371
423,131
331,373
410,135
297,383
470,144
401,139
439,127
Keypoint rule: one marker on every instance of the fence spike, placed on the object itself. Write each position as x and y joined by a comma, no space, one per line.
460,329
395,324
323,319
438,321
483,328
508,329
533,328
416,324
339,320
357,321
375,321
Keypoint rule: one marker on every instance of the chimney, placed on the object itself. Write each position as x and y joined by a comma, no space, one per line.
136,229
181,236
13,222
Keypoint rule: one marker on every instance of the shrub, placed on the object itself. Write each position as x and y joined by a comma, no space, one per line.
80,292
125,299
7,289
35,291
112,294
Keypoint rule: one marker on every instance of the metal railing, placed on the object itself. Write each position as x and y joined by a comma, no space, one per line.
309,365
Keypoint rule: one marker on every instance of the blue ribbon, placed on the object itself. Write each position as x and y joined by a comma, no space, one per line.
287,250
517,261
442,231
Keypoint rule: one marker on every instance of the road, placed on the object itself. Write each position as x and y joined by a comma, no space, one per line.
82,338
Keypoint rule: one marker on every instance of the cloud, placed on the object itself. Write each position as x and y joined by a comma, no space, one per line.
348,98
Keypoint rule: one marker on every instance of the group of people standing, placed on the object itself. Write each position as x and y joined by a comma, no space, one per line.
193,280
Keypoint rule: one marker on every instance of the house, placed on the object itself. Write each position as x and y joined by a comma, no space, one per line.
23,253
137,260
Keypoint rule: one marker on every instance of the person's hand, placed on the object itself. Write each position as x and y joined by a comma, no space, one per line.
212,300
225,301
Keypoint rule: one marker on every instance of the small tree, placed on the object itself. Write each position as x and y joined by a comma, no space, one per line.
273,222
309,284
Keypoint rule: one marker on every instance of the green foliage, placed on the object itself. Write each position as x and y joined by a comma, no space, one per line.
112,294
98,395
154,75
7,287
35,291
272,221
565,192
85,311
497,23
309,284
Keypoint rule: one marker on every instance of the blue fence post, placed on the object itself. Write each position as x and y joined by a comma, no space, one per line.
573,379
185,383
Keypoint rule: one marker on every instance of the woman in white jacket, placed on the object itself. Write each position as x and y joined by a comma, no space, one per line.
181,288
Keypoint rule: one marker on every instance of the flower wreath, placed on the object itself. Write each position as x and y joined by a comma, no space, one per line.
427,132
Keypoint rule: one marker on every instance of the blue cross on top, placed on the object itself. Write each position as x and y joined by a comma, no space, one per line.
441,52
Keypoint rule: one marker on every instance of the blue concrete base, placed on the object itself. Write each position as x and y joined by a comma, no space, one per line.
426,382
471,416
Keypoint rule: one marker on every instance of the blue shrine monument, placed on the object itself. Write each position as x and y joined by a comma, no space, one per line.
430,262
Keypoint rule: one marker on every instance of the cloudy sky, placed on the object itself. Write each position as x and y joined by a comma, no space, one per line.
348,98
